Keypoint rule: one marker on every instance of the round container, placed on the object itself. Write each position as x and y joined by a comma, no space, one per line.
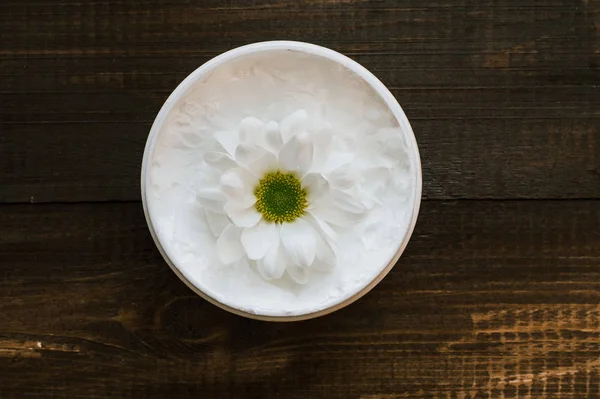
202,74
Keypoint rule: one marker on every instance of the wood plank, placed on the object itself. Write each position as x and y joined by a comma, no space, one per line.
461,159
503,95
494,299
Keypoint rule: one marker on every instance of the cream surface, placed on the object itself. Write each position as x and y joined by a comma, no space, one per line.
270,85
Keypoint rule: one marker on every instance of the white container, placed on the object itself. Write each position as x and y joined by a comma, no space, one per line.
198,273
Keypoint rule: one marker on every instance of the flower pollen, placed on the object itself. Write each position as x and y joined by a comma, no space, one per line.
280,197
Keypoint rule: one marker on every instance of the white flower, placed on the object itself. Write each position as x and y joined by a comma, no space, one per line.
278,190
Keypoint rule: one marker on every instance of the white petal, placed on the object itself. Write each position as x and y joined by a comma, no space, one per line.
297,154
342,151
241,215
216,222
210,192
228,140
336,159
340,218
246,154
299,274
342,210
298,239
325,264
323,227
347,202
219,161
273,139
263,165
259,239
322,143
316,187
237,183
343,177
326,256
273,264
229,246
251,129
293,124
211,198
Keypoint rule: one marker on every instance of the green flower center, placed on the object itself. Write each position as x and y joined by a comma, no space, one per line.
280,197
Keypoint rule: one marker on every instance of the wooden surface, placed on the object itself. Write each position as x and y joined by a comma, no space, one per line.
497,295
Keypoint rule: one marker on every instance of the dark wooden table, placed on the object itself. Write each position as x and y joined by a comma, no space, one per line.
497,295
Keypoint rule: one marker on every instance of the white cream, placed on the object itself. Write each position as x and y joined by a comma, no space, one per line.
270,85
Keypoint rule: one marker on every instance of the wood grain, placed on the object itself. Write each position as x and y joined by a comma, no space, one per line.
493,299
496,297
503,95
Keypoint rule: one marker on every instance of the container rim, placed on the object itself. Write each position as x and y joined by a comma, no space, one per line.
381,90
